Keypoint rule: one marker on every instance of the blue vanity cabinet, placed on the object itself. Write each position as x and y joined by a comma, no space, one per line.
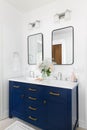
47,107
26,101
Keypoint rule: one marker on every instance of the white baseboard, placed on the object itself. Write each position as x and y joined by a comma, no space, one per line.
83,124
4,115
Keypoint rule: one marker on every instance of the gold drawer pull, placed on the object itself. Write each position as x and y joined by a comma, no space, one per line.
32,98
34,119
54,94
33,90
44,101
16,86
32,108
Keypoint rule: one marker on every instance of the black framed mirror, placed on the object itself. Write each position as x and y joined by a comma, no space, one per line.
35,48
63,46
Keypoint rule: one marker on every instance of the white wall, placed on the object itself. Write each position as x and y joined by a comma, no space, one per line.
79,22
0,71
11,34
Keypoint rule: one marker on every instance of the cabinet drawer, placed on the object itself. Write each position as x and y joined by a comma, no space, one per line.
56,94
33,99
17,85
33,88
34,111
39,121
33,106
34,91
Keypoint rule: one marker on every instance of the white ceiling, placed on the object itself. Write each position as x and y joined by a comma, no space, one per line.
28,5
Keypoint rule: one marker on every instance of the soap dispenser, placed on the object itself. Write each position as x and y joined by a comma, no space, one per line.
73,77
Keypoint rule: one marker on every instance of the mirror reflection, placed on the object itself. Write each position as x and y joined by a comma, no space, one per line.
63,46
35,48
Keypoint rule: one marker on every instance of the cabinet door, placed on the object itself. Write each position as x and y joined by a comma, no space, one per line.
17,99
56,108
57,116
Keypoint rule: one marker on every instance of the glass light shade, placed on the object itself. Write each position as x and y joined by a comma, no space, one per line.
29,26
37,24
67,15
56,18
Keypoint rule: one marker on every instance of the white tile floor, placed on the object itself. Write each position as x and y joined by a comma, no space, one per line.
6,122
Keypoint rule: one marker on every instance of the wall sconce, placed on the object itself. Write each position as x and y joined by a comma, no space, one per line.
35,24
65,15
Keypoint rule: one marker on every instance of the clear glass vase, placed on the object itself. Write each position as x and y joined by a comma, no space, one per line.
44,75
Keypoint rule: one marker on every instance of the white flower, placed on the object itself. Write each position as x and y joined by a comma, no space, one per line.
46,67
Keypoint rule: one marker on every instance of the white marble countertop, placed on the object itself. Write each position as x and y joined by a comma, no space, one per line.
47,82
